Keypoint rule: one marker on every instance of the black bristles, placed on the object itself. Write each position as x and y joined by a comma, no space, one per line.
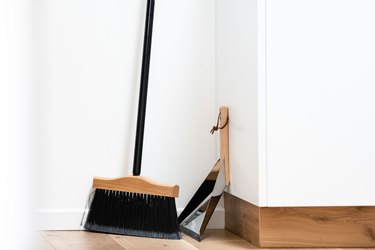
133,214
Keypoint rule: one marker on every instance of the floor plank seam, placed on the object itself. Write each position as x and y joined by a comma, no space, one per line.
46,239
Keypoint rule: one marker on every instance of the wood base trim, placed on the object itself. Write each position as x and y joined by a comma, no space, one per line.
242,218
300,226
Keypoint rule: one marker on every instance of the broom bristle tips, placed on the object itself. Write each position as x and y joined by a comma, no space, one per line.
133,214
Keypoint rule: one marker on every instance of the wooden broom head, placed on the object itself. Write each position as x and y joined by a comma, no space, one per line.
133,205
136,184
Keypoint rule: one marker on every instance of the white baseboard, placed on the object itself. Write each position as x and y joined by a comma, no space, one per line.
69,219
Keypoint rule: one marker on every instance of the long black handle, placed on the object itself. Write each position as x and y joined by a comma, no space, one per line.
143,88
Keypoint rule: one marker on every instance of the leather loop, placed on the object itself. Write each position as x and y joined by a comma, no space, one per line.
216,128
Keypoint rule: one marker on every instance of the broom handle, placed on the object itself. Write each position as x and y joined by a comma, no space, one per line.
143,88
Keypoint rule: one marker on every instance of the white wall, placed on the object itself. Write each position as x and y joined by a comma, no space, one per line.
238,73
15,120
88,56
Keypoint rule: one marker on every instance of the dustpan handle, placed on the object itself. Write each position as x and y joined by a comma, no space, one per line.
143,88
224,142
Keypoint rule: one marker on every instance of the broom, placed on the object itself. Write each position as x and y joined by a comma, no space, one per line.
135,205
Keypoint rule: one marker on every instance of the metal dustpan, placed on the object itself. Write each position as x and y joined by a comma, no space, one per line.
196,215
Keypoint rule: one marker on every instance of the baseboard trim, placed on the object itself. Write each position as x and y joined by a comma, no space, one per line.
58,219
69,219
300,226
242,218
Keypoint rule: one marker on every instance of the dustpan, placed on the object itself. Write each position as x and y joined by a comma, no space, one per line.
196,215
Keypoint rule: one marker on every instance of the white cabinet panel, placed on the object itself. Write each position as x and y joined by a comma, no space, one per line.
320,102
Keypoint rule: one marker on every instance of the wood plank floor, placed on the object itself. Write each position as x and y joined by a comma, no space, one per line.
82,240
